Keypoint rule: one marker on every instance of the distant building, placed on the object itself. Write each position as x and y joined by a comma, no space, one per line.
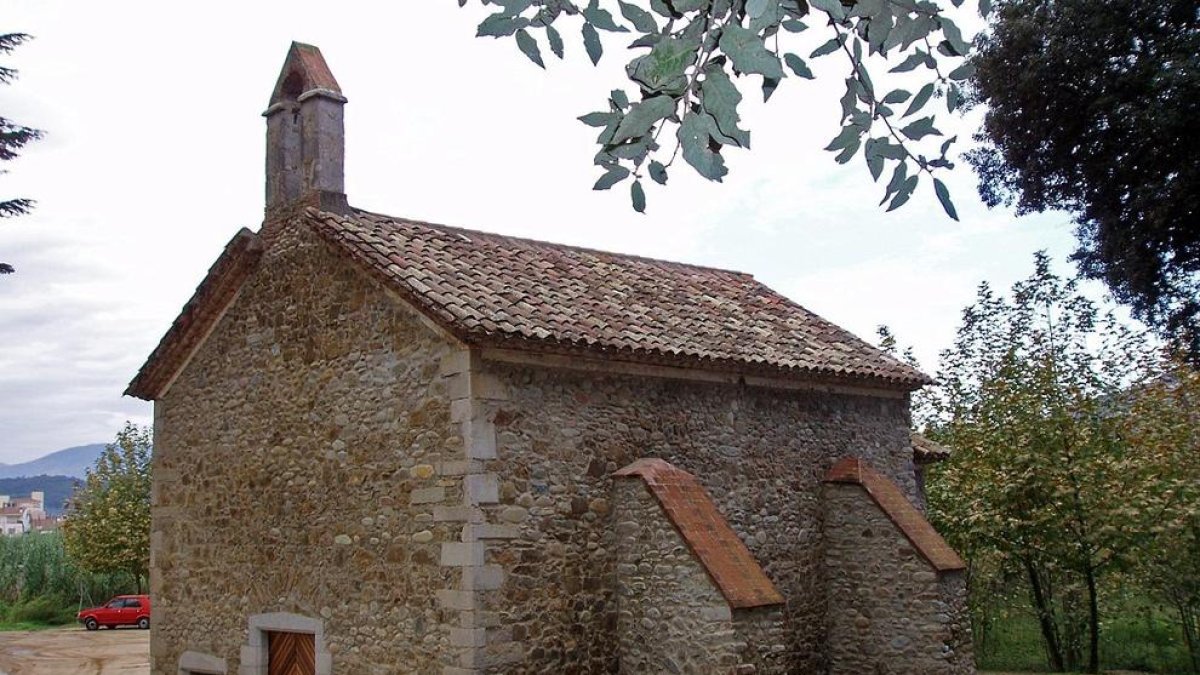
21,515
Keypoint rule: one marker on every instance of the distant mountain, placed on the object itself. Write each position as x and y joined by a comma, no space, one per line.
72,462
57,489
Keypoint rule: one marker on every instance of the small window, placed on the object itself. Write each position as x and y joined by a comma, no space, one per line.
133,602
116,604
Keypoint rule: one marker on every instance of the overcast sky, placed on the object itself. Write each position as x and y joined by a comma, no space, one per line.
155,152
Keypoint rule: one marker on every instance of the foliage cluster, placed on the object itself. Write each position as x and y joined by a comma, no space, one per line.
1091,108
39,584
1074,467
694,59
107,530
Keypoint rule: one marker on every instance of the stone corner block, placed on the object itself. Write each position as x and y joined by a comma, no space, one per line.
482,488
468,554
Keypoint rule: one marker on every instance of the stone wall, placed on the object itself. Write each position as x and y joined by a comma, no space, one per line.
761,453
296,470
671,618
890,612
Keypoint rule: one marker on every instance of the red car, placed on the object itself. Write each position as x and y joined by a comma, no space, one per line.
123,610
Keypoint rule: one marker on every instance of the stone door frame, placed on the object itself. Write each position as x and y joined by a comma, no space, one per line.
254,654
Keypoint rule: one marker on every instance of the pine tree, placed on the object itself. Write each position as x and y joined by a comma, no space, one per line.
13,137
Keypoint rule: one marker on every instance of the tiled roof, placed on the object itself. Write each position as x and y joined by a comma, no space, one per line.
726,559
500,291
926,451
899,510
305,69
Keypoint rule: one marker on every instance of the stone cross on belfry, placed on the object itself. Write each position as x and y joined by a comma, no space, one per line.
306,139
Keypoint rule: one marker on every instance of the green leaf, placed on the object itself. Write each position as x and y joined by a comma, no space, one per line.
848,154
874,159
748,53
953,36
664,69
500,25
946,146
619,98
642,116
638,195
798,66
529,47
915,59
769,86
658,172
599,119
755,8
591,42
794,26
556,41
905,191
963,72
896,96
920,99
720,99
600,18
694,139
829,47
899,175
920,129
943,196
642,21
832,7
843,140
615,174
954,98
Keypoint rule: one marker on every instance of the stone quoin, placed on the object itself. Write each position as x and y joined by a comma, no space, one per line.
388,446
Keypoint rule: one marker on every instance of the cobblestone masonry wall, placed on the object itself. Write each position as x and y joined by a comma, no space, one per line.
671,618
890,612
296,463
760,453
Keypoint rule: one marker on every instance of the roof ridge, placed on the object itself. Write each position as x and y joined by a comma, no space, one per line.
541,242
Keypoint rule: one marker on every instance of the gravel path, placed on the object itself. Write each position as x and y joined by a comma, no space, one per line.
75,651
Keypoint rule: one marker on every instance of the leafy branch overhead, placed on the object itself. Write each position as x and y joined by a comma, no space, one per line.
696,59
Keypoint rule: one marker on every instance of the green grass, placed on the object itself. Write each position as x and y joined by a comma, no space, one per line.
35,614
1141,638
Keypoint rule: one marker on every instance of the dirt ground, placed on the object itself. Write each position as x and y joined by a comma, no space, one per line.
75,651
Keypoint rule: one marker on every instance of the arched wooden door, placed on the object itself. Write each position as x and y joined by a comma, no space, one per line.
291,654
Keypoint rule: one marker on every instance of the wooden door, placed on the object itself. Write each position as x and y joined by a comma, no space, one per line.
291,654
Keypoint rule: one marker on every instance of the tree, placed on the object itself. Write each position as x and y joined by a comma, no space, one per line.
1165,418
1034,398
694,54
107,529
1091,108
13,137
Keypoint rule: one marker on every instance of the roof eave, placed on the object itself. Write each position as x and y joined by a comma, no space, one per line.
198,316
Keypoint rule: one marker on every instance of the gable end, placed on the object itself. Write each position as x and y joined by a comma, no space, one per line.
201,313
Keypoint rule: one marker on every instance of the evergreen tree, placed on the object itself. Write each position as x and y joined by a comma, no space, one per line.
13,137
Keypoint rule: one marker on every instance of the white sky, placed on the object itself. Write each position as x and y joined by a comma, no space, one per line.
155,153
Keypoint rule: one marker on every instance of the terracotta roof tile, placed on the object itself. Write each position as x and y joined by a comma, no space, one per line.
726,559
304,70
500,291
926,451
899,510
